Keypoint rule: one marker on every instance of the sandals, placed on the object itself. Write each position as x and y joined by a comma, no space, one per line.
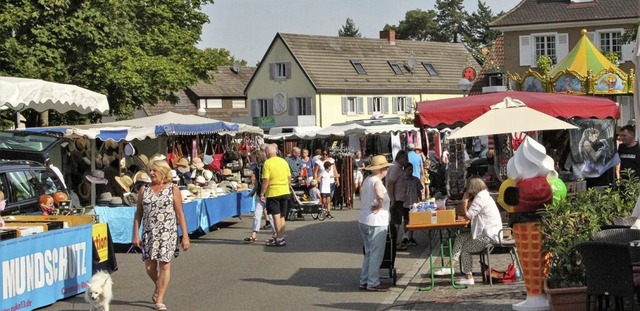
154,297
161,307
250,239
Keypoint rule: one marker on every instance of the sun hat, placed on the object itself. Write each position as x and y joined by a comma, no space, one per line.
97,177
130,199
157,157
192,188
143,160
243,186
200,180
197,162
84,190
207,174
116,201
125,182
227,172
378,162
411,146
183,169
105,198
141,176
174,175
81,144
183,162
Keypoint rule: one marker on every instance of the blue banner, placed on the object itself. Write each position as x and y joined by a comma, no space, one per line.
39,269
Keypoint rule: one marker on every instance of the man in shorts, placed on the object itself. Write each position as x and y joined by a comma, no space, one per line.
275,191
396,187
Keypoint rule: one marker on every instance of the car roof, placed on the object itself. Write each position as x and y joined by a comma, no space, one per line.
10,165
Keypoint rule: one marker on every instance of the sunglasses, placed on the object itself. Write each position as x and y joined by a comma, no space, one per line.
325,154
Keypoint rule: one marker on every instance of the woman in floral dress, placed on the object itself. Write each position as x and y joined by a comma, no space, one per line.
159,210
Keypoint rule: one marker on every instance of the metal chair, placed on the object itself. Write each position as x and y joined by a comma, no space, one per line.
506,242
609,272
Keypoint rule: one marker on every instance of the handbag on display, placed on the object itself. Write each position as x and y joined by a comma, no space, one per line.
208,153
216,165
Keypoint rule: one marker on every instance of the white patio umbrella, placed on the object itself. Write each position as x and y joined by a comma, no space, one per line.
21,93
510,116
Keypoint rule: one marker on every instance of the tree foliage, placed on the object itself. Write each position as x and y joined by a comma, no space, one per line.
349,29
135,52
417,25
451,20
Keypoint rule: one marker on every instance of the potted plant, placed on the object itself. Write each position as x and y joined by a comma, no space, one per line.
576,219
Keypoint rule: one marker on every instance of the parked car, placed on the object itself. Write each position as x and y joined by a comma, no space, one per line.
23,181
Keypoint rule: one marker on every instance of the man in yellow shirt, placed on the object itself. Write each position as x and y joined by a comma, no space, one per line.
275,191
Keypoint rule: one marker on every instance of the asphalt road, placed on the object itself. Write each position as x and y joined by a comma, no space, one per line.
317,270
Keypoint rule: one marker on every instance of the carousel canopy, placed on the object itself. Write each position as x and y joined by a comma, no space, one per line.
584,56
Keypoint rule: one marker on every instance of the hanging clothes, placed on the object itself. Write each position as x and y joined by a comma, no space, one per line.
354,143
409,139
395,144
417,140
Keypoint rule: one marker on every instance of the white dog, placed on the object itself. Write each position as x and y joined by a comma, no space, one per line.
98,293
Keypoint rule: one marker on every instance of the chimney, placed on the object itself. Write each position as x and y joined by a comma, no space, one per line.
390,35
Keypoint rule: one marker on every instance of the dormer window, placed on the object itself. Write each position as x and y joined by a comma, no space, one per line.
395,67
357,65
430,69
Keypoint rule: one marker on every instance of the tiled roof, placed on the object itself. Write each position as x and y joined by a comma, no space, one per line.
327,62
493,63
185,106
554,11
225,83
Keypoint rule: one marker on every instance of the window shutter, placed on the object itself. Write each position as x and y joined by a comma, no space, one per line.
272,71
627,54
254,108
394,105
370,105
359,107
591,35
293,107
385,105
563,46
270,106
344,105
408,105
525,51
309,106
288,69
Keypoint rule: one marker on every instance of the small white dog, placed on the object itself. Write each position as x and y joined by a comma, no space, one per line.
98,293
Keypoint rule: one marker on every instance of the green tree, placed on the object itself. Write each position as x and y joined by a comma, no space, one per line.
417,25
477,34
135,52
630,33
451,19
349,29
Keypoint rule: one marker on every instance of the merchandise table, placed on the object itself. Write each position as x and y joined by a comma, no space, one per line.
200,214
439,230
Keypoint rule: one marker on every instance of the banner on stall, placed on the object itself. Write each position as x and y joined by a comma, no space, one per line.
39,269
101,241
593,147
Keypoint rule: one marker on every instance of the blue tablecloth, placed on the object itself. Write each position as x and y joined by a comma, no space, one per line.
199,214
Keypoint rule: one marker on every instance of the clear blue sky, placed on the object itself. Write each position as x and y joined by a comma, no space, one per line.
247,27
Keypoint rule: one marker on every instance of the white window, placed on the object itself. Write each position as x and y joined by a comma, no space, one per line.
554,45
400,105
378,105
238,104
609,40
280,71
210,103
351,105
546,45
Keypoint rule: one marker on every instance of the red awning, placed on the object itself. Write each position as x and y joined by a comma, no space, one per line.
456,112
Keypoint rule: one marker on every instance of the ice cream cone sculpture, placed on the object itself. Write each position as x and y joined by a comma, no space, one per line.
532,175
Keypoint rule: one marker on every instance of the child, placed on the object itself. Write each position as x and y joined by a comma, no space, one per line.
325,187
413,194
314,192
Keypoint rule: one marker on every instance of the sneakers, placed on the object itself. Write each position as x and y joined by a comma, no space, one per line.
412,242
362,287
465,281
402,246
380,288
443,271
277,242
329,216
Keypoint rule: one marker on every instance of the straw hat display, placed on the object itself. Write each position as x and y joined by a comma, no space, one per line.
183,162
207,174
130,199
105,198
141,176
143,162
81,144
125,182
157,157
84,190
97,177
227,172
116,201
200,181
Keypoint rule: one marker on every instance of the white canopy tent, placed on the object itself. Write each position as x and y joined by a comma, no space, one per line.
21,93
381,129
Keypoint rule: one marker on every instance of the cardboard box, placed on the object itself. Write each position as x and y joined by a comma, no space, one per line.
419,218
446,216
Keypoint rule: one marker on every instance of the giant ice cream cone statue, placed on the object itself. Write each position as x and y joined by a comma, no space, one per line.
532,175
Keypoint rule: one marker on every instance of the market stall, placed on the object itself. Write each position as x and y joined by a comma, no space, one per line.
586,112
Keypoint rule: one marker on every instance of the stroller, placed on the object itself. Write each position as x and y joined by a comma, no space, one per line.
313,208
437,179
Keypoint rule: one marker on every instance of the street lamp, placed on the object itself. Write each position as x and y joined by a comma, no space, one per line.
464,85
202,112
